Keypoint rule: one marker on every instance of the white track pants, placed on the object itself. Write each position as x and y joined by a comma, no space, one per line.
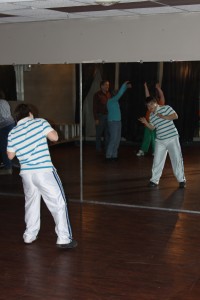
49,186
171,146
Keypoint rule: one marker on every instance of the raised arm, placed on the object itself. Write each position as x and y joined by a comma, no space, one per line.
146,90
126,85
161,94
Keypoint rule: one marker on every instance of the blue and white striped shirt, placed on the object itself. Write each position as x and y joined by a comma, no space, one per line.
28,140
165,129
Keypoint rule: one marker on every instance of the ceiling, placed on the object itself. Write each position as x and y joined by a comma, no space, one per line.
18,11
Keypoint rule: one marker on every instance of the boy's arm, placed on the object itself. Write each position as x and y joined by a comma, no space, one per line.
126,85
11,155
146,90
52,136
10,150
144,121
161,94
171,117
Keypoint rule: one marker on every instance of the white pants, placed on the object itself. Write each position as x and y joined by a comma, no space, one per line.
49,186
162,147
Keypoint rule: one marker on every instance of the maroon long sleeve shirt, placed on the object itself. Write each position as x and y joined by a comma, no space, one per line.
100,103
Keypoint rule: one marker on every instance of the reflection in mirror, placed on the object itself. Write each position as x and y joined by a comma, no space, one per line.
124,182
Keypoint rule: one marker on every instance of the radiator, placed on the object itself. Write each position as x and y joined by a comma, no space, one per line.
67,132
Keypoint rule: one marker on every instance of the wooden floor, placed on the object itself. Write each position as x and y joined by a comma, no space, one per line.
135,242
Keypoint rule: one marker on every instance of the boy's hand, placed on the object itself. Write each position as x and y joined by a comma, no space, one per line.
143,120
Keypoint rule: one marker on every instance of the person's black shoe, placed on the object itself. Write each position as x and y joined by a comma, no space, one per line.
152,184
70,245
182,185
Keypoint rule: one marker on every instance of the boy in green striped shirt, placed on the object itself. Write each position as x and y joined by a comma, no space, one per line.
167,141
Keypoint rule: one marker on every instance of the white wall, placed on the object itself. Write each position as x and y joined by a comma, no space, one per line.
147,38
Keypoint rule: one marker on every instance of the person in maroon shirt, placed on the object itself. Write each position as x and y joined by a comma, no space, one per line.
100,114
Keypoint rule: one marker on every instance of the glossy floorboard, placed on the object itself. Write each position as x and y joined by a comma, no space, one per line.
146,250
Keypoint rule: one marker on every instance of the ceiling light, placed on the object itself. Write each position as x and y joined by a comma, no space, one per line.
107,2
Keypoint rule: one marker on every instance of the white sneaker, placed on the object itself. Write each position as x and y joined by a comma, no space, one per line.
30,241
140,153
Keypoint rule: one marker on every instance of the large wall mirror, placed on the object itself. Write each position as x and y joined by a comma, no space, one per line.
125,182
63,94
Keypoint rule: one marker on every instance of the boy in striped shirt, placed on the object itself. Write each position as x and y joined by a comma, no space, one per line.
28,141
167,141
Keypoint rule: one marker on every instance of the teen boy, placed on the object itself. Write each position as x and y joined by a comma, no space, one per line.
167,141
28,141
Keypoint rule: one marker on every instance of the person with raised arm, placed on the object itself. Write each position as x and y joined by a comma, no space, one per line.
149,135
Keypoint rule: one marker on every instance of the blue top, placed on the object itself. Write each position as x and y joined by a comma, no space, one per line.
114,112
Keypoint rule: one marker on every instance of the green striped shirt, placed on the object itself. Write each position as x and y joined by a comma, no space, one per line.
165,129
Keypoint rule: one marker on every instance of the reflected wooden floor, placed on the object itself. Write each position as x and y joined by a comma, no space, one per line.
139,243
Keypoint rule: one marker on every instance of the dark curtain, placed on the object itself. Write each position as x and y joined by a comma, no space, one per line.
182,89
133,102
8,82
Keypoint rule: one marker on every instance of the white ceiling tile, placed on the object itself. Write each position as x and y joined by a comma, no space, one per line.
14,1
15,20
190,8
104,13
51,3
7,6
77,16
35,12
120,1
40,10
155,10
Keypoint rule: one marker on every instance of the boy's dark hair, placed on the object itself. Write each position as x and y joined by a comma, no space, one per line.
150,99
22,111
